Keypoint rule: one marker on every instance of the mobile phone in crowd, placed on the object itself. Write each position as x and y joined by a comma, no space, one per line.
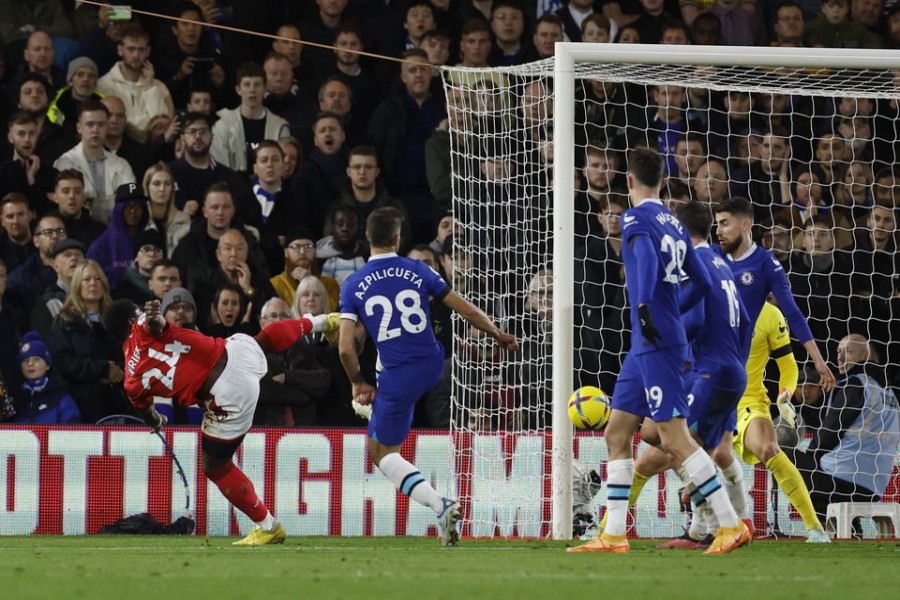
119,13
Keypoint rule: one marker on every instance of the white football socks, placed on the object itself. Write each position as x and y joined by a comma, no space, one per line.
619,475
702,472
407,478
733,476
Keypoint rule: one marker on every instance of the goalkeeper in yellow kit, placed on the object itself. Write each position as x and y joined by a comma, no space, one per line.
755,441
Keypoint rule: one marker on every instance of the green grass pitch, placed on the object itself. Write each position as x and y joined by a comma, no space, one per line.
134,567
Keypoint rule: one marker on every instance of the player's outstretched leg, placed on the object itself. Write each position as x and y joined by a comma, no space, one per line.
235,486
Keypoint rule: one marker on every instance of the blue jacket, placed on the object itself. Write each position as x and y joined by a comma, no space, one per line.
49,404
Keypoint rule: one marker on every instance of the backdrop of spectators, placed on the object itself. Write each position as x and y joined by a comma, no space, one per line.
134,284
319,27
23,171
596,29
178,307
38,60
188,55
16,239
89,361
706,30
508,25
547,31
834,29
115,249
133,80
273,208
322,174
474,44
34,97
436,45
230,313
365,86
790,27
164,217
17,18
711,183
103,171
164,276
299,262
11,320
343,251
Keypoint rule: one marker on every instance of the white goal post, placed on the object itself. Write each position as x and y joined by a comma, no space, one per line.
517,207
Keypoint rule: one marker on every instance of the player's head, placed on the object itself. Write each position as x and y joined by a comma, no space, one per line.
644,169
697,217
734,220
383,227
119,317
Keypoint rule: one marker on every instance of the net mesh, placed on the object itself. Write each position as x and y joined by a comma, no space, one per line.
814,150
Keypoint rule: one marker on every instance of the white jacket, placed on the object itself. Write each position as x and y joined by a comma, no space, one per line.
142,101
116,172
229,146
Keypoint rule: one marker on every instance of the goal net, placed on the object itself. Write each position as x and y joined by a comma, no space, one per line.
537,172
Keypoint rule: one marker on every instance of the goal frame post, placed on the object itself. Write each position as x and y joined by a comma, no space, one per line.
567,54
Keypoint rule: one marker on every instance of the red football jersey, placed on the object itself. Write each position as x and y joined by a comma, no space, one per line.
173,365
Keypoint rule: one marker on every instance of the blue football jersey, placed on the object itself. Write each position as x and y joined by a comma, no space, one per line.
672,257
390,294
721,323
758,273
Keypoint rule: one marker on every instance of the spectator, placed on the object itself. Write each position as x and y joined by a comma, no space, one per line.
196,170
548,30
834,29
188,56
284,96
133,80
690,153
343,251
418,18
766,180
232,267
474,44
27,281
601,168
711,184
508,25
103,171
69,202
34,97
336,97
39,56
287,44
42,399
16,239
436,45
164,217
299,262
319,27
820,280
66,253
830,161
295,381
628,35
24,171
102,36
273,207
851,455
364,194
867,13
573,18
138,155
196,252
779,237
231,312
853,198
115,249
293,155
650,23
11,320
164,276
364,85
239,131
81,85
596,29
740,27
134,284
88,359
321,176
706,30
440,314
790,27
400,126
178,307
537,332
676,32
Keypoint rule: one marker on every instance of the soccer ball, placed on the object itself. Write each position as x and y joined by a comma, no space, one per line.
589,408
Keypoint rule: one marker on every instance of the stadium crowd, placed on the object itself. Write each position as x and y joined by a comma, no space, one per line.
230,175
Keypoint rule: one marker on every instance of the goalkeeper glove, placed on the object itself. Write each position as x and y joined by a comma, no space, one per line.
786,409
648,330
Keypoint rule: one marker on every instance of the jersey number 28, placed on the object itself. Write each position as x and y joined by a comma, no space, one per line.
412,318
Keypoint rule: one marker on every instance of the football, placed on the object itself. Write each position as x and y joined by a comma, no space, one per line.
589,408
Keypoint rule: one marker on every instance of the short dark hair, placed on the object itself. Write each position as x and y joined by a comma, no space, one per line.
217,188
549,18
117,318
737,206
383,225
267,144
34,78
249,69
363,150
21,117
327,114
69,174
474,25
163,263
697,217
646,165
193,117
92,106
417,3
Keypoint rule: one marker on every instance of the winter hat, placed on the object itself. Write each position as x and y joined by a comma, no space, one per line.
299,233
80,63
174,295
33,345
149,236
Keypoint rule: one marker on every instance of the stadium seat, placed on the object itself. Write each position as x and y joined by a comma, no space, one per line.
840,515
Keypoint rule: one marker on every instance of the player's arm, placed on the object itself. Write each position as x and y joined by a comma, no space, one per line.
362,391
778,284
153,318
479,319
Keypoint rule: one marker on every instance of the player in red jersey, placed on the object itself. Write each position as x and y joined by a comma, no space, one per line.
222,375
